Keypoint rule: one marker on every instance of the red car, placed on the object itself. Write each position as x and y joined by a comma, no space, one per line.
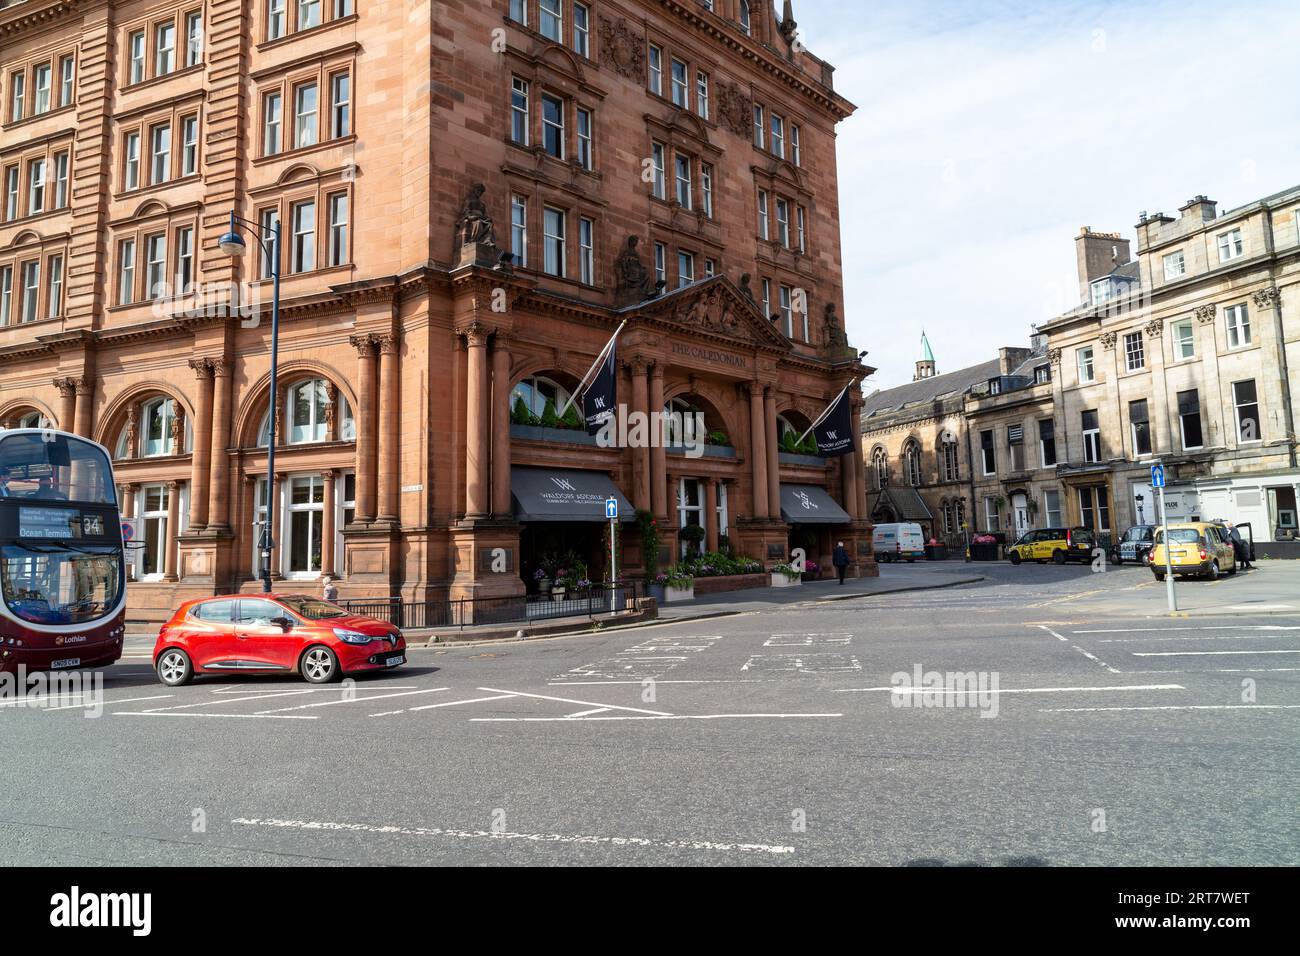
271,634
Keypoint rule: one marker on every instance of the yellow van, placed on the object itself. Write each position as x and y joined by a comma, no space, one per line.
1197,547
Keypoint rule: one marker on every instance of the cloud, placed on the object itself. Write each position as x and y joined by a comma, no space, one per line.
987,134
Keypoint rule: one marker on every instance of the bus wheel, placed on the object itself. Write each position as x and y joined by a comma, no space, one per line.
319,665
174,667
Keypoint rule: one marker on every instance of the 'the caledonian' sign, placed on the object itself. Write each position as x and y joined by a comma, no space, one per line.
710,355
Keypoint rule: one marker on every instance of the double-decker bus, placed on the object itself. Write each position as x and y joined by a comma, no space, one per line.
62,576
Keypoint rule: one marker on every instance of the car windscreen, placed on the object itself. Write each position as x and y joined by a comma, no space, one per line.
313,609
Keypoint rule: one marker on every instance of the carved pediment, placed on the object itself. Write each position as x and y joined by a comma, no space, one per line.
716,307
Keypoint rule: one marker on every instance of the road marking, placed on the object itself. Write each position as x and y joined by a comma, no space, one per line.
1091,657
618,841
1202,653
815,663
1206,637
603,683
351,700
1081,710
1013,690
1260,607
317,690
1210,627
154,713
584,703
570,719
109,703
1224,670
457,703
229,700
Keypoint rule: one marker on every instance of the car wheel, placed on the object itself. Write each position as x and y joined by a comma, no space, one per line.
1159,576
319,665
1058,556
174,667
1014,557
1117,560
1214,570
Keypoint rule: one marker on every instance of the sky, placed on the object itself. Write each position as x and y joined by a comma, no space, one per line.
988,133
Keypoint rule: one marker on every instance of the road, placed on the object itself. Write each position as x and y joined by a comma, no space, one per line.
772,738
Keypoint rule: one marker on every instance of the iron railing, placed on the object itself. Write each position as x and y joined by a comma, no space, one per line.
465,612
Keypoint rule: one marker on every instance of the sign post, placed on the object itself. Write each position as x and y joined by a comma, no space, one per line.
611,512
1158,482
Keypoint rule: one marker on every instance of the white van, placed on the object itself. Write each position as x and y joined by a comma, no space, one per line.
899,541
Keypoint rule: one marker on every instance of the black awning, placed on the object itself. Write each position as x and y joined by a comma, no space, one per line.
808,504
564,494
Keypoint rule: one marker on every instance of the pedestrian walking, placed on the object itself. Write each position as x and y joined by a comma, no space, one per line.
840,558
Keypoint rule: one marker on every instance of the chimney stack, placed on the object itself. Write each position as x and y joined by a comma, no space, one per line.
1198,208
1098,254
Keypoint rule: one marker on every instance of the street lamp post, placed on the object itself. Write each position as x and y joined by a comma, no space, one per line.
233,245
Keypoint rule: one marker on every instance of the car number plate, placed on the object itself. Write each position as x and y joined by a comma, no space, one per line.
396,659
66,662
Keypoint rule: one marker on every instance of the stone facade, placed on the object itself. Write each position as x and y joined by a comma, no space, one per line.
456,187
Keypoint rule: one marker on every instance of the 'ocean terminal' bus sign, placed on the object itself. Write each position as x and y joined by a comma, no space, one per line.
58,523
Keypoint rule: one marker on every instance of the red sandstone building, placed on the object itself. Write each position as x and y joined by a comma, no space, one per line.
429,326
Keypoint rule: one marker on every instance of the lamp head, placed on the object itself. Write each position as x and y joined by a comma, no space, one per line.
232,244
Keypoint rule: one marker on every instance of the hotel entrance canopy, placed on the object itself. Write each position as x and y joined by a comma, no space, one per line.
565,494
808,504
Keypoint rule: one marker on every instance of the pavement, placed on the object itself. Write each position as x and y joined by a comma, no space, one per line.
1075,724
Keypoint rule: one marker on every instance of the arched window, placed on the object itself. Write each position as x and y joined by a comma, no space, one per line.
948,457
32,420
686,424
306,415
912,463
880,464
535,391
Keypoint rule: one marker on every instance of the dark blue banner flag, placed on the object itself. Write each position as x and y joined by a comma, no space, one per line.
834,433
601,396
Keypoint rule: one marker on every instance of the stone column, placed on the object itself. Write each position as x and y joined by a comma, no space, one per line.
366,439
275,511
501,425
758,450
773,465
477,424
126,508
658,454
67,403
219,478
327,524
201,459
389,397
173,529
85,405
710,508
640,456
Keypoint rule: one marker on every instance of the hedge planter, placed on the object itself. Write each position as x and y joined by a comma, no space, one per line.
569,436
673,595
793,458
781,581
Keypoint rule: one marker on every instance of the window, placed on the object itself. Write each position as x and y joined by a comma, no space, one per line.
1047,442
304,115
553,241
17,95
787,315
153,508
679,83
702,93
1016,446
271,118
1238,325
584,138
41,89
156,428
912,464
1246,400
995,386
193,38
949,460
684,190
656,66
338,212
553,125
801,229
126,272
160,153
156,266
581,29
762,214
60,180
1134,358
303,218
1042,374
1175,265
659,186
1184,334
519,230
1094,508
340,105
767,298
661,265
270,222
1140,425
6,294
35,187
778,135
55,304
1230,245
1189,418
306,413
685,268
67,71
164,49
758,126
184,258
519,111
1100,291
305,521
11,193
880,467
1086,372
31,290
1052,507
550,19
796,153
988,457
275,19
992,514
519,11
189,145
743,16
710,267
136,46
308,14
131,168
1091,437
706,189
537,391
783,222
586,251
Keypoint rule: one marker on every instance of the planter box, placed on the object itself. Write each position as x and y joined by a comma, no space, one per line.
567,436
730,582
781,581
793,458
673,595
710,451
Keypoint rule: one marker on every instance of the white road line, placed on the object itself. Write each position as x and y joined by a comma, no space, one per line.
570,719
1081,710
457,703
602,683
351,700
1014,690
330,689
110,703
1091,657
228,700
1224,670
1207,637
567,700
1203,653
1260,607
588,713
1190,627
154,713
617,841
